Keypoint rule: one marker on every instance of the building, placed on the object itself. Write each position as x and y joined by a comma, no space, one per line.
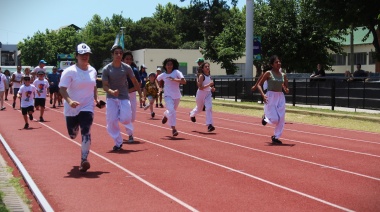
153,58
363,53
9,54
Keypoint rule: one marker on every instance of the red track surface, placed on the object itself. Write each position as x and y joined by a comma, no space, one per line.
233,168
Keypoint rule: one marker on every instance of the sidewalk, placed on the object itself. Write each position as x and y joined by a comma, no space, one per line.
11,199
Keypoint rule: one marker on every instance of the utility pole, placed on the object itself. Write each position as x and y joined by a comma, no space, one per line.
249,39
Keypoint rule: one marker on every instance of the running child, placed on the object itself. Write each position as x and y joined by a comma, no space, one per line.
26,94
172,78
274,99
204,96
151,92
42,86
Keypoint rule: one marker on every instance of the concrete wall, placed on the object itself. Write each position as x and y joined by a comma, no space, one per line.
357,48
153,58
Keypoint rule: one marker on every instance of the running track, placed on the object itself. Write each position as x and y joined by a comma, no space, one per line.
233,168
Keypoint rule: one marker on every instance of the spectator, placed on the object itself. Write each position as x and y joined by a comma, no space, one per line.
359,74
318,73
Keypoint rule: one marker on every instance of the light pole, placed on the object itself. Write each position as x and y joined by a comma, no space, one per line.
249,39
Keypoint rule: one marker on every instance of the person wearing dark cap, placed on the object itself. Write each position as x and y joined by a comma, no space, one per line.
53,79
42,86
114,78
78,89
26,94
200,61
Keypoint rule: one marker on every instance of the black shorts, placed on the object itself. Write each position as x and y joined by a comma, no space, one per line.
39,102
25,110
15,91
53,89
83,120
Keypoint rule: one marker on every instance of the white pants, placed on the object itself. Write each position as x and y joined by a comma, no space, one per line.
203,98
170,112
274,111
118,110
132,100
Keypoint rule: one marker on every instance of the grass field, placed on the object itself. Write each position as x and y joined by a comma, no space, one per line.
326,117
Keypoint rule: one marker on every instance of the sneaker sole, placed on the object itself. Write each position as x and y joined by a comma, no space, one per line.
85,166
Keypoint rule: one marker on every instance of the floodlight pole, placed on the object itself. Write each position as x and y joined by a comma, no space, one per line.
249,39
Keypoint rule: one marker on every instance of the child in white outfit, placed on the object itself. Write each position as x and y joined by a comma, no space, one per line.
204,96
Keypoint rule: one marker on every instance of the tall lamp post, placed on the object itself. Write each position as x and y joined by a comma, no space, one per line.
249,39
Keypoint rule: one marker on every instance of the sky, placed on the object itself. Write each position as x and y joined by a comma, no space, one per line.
22,18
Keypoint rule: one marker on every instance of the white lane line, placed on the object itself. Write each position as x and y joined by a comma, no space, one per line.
300,131
271,153
129,172
243,173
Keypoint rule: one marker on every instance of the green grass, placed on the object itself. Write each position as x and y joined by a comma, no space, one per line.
325,117
15,182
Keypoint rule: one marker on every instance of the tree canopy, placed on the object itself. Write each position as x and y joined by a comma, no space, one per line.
302,32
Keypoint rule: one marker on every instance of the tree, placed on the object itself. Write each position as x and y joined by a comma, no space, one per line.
150,33
288,30
229,44
351,13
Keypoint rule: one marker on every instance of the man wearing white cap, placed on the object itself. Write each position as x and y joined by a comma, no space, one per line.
114,79
78,89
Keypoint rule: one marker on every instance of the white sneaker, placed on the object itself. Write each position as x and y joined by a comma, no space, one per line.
146,106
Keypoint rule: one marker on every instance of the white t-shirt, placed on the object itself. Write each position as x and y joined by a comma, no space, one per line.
3,80
27,95
80,86
42,86
18,77
38,68
207,80
171,87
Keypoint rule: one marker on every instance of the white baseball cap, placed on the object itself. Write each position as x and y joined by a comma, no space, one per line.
83,49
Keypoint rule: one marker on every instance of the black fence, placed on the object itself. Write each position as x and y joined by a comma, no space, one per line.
329,91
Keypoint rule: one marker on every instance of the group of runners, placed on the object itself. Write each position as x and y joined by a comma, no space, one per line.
121,81
32,88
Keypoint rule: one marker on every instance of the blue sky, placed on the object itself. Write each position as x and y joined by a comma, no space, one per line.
22,18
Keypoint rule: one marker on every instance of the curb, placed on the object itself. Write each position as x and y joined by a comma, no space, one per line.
298,111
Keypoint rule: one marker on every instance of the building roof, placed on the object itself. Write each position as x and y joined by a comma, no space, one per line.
359,34
71,25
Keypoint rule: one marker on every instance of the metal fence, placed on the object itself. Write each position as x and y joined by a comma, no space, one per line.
329,91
